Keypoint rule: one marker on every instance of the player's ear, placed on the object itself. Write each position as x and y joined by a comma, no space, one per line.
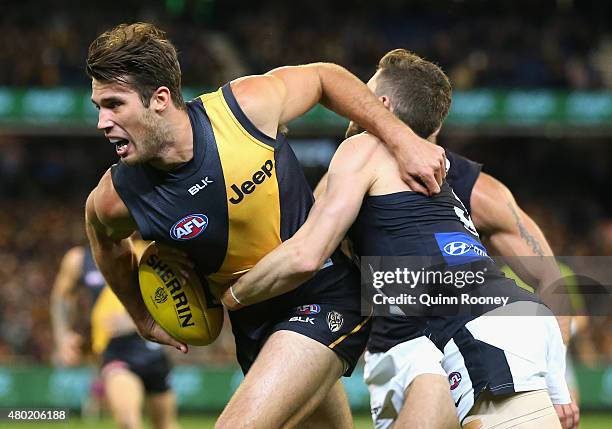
434,136
386,101
161,99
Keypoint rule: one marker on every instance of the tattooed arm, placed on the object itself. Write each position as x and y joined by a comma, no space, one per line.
509,232
63,305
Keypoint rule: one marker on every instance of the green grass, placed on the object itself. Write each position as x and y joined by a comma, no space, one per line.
589,421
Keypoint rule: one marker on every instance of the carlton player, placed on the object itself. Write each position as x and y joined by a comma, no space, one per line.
486,363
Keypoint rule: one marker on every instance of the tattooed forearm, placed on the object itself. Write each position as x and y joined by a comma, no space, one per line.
525,235
61,313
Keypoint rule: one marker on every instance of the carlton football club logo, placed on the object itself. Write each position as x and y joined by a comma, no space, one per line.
189,227
334,321
160,295
454,378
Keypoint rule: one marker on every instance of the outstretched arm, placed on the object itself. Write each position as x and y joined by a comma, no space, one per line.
109,226
299,258
288,92
321,186
67,342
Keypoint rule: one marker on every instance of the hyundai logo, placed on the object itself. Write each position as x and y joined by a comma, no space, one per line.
457,248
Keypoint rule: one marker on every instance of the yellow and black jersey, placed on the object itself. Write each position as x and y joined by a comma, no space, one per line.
238,198
105,311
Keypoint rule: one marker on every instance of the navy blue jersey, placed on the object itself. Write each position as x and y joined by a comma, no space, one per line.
437,233
91,277
462,176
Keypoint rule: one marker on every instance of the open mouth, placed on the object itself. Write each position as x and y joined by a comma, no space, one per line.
121,146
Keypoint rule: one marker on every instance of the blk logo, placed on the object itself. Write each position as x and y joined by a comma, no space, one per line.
202,184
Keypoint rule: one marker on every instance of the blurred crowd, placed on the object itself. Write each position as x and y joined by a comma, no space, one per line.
557,44
44,182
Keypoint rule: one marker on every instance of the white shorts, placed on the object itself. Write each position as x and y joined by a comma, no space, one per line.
389,374
502,354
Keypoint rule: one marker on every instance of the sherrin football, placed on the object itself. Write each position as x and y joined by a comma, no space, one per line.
180,306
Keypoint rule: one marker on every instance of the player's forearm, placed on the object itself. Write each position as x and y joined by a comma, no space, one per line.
346,95
61,311
528,254
279,272
118,265
321,187
121,274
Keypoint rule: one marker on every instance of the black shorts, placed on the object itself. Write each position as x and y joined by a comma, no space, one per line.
327,309
145,359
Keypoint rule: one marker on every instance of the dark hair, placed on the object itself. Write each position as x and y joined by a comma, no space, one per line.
138,55
419,90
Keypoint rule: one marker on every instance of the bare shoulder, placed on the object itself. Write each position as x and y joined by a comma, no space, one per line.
105,208
74,257
362,145
260,98
250,90
356,157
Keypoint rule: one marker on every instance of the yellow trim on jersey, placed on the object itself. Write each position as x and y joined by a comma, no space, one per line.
105,313
253,197
355,330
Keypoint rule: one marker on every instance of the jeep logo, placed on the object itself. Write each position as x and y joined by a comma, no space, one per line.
249,186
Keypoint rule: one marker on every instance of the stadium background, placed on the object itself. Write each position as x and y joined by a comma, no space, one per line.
532,101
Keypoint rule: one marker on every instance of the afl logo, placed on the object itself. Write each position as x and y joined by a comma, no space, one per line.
457,248
189,227
308,309
454,378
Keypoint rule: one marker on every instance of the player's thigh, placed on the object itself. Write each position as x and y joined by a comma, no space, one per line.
390,375
428,405
333,412
124,394
162,408
525,410
291,374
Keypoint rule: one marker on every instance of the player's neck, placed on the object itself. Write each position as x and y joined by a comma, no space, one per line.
178,147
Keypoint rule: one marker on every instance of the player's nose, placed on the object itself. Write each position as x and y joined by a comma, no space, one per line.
104,120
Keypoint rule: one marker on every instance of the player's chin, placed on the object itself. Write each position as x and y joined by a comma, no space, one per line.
130,159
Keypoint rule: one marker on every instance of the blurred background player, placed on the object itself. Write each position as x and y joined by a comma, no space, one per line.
132,370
